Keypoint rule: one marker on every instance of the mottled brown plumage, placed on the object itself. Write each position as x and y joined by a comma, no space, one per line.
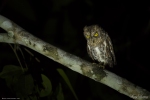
99,45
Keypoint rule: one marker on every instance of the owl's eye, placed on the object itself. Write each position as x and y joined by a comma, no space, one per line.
96,34
87,36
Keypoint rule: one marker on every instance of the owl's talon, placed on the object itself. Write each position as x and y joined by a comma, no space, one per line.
95,64
99,65
102,66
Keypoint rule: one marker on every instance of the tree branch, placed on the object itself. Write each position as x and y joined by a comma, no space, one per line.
16,34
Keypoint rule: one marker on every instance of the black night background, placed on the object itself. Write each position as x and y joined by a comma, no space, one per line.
61,22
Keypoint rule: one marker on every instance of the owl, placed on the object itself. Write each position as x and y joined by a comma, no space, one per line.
99,45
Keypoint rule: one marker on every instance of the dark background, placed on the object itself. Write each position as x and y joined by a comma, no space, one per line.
61,22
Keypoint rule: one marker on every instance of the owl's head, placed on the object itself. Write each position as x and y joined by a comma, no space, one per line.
93,34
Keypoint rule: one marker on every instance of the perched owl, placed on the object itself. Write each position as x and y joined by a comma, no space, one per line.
99,45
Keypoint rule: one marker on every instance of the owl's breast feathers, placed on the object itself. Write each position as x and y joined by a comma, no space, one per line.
97,53
102,52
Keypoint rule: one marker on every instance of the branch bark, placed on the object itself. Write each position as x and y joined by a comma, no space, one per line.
16,34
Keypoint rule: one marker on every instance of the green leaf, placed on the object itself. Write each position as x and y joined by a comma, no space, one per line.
25,85
47,85
60,95
64,76
11,71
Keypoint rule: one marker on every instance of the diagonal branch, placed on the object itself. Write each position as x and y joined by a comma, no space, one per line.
16,34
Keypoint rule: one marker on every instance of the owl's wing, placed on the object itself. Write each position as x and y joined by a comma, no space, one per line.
89,52
110,48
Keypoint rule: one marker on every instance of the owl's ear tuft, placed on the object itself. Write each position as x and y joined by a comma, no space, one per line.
85,28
